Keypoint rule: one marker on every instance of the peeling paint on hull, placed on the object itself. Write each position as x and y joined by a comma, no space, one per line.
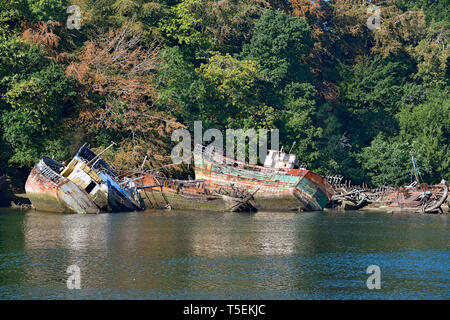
290,189
185,196
154,198
61,196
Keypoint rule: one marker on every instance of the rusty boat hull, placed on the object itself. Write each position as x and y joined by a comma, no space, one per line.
49,191
421,198
275,189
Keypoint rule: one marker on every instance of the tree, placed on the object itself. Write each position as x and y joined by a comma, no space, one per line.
278,44
298,122
35,98
236,86
218,25
427,127
115,78
431,54
99,16
187,26
14,12
388,161
182,91
231,22
371,93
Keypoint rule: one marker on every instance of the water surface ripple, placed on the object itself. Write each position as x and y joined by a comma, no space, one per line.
195,255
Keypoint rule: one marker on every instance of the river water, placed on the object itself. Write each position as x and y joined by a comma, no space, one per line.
195,255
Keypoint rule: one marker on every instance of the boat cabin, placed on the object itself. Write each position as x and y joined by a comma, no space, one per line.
280,160
83,176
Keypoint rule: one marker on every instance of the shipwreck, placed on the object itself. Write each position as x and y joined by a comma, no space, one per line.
48,190
277,185
416,197
166,193
86,185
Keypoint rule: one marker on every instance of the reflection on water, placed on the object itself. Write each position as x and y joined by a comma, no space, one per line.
192,255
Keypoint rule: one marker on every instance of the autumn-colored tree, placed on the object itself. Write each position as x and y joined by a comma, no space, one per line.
115,75
321,71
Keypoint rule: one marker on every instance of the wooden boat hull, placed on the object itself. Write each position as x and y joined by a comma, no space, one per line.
292,189
188,195
159,199
56,194
422,198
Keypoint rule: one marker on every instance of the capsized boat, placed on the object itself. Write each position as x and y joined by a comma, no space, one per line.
165,193
91,173
279,185
48,190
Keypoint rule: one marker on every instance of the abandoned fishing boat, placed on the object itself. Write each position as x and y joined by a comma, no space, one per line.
417,197
48,190
85,185
414,198
279,185
163,193
91,173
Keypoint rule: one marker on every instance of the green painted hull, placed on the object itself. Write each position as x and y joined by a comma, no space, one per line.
290,189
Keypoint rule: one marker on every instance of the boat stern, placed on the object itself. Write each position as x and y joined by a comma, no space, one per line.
313,192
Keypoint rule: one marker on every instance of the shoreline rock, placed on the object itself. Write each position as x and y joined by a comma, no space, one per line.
8,199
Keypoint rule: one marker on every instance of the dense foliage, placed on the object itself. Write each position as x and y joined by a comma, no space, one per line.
355,100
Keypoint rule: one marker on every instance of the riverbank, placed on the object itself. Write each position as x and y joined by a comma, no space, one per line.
9,199
388,209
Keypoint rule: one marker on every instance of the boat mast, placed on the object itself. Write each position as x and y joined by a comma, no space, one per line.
292,147
414,167
97,156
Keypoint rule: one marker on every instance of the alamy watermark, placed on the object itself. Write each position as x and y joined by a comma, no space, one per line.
74,280
74,20
373,281
239,143
374,21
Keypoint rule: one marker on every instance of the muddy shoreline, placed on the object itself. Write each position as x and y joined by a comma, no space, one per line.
11,200
388,209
